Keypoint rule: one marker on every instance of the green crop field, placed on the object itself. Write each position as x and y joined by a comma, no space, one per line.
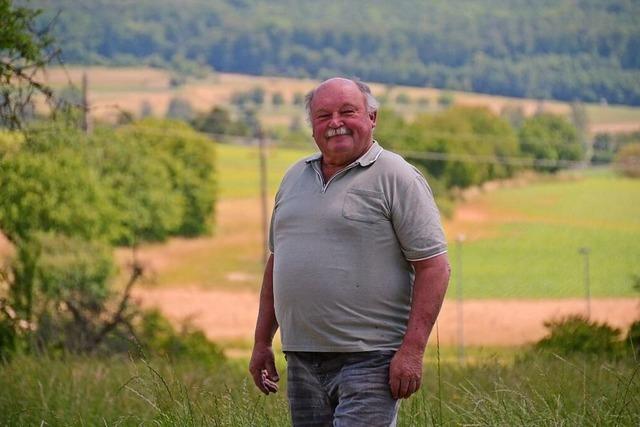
239,169
533,236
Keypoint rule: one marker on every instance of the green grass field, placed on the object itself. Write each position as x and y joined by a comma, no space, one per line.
532,248
533,391
239,169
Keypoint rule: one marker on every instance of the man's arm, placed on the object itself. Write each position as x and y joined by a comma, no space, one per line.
262,365
430,285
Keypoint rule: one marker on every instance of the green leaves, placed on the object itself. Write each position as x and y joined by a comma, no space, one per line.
547,136
143,182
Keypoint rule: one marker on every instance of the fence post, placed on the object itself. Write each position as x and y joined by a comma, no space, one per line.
584,251
459,298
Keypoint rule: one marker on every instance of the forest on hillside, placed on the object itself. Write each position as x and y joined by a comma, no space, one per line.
587,50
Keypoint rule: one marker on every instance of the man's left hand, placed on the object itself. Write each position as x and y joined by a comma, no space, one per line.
405,373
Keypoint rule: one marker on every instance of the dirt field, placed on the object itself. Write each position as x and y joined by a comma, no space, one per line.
231,315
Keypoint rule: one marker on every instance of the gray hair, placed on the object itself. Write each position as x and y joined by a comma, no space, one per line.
371,102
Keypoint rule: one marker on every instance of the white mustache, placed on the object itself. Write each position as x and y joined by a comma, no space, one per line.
342,130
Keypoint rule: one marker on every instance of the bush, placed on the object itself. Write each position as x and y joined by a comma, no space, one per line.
633,338
577,335
627,161
160,338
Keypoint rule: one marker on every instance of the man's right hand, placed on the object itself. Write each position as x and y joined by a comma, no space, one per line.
263,369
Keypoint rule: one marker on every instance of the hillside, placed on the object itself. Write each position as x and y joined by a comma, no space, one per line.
116,89
567,50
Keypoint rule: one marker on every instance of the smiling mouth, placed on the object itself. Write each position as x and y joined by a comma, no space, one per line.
337,131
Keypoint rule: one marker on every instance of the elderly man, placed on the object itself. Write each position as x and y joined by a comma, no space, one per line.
357,273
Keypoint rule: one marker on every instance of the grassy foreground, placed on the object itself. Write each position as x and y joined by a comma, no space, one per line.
536,391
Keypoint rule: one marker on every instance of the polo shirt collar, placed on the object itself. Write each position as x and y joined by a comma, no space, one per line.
366,159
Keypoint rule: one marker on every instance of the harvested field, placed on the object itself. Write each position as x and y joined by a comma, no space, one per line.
230,315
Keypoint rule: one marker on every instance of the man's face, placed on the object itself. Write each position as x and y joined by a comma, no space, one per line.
342,127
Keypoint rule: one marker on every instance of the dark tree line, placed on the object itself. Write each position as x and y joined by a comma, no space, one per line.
569,50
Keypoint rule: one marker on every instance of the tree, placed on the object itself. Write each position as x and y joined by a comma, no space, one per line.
25,49
550,137
403,99
277,99
66,197
218,121
146,109
180,109
445,99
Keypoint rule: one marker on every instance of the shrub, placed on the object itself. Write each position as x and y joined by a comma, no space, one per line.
159,337
627,161
577,335
633,338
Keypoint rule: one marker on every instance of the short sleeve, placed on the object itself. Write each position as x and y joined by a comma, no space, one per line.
416,220
270,241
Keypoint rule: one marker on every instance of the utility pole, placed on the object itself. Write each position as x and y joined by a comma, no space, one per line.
85,103
584,251
459,297
263,191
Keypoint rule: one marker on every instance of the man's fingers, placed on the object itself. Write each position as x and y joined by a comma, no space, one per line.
394,384
272,372
402,388
414,385
405,383
267,383
257,379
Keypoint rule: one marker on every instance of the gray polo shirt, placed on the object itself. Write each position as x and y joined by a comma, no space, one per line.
342,278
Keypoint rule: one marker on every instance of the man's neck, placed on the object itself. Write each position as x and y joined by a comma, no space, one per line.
329,169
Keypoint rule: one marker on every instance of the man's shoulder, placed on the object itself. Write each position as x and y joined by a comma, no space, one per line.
394,164
297,168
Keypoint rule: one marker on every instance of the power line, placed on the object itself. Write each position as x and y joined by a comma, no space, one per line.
498,160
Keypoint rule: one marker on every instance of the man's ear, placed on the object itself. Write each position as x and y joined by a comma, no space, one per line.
373,116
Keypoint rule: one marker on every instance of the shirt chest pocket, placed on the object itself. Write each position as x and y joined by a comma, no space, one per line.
364,206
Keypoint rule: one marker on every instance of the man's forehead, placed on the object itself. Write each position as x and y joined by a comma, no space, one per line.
337,91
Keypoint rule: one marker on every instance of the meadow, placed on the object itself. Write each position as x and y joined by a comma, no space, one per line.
532,391
527,240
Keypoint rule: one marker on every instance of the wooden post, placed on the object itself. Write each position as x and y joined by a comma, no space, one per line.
263,194
85,103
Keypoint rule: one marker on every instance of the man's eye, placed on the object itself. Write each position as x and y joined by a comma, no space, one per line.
348,112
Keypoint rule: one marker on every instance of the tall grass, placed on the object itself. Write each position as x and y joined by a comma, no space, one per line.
535,391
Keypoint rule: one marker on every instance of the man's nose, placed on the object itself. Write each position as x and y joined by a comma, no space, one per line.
336,120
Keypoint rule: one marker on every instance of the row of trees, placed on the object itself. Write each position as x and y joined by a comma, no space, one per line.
568,50
468,146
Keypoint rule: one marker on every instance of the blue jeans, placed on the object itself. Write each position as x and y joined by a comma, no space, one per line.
340,389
